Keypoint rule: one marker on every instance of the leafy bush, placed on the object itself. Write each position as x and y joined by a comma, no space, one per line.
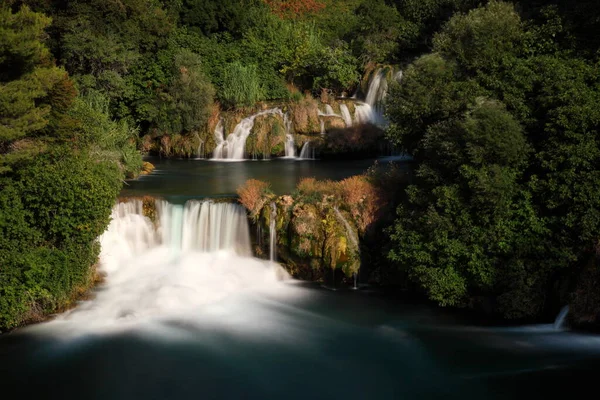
51,212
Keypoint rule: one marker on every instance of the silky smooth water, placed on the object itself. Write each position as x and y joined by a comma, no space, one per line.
297,341
185,313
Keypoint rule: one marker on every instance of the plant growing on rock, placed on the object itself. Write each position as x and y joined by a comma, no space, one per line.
253,195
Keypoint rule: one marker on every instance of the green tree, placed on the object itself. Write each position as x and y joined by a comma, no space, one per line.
27,80
504,135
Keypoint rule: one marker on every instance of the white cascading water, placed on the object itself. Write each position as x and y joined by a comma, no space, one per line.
377,88
561,318
363,113
371,110
196,254
352,235
322,123
290,145
234,148
273,234
346,115
199,150
307,152
220,151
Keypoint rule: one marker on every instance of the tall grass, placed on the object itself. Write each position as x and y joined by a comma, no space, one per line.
241,86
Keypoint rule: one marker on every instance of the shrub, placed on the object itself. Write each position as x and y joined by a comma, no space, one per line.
252,195
362,199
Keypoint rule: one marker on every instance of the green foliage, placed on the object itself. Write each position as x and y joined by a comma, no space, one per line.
51,212
483,39
504,136
62,161
336,69
108,140
27,80
241,86
379,30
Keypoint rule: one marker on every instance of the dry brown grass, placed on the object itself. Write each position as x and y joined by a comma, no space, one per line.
252,195
362,199
356,194
312,186
305,115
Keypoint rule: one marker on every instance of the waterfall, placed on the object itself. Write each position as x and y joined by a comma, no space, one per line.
353,237
273,233
306,153
235,146
221,149
371,110
189,256
212,226
377,88
199,152
346,115
328,112
290,146
202,226
559,322
363,113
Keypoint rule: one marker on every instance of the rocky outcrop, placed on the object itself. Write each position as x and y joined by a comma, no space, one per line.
318,230
308,119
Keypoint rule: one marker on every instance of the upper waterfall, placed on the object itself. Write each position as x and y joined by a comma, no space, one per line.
234,147
372,108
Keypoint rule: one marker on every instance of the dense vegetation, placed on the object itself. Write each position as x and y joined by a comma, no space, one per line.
62,160
498,105
502,119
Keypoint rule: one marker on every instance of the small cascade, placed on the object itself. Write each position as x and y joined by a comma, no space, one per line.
290,146
559,322
377,88
372,109
351,233
322,122
221,149
273,233
307,152
234,147
328,112
346,115
199,150
363,113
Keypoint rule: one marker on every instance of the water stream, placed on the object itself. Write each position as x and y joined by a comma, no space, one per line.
185,311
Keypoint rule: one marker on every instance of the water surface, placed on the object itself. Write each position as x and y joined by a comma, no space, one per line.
184,179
